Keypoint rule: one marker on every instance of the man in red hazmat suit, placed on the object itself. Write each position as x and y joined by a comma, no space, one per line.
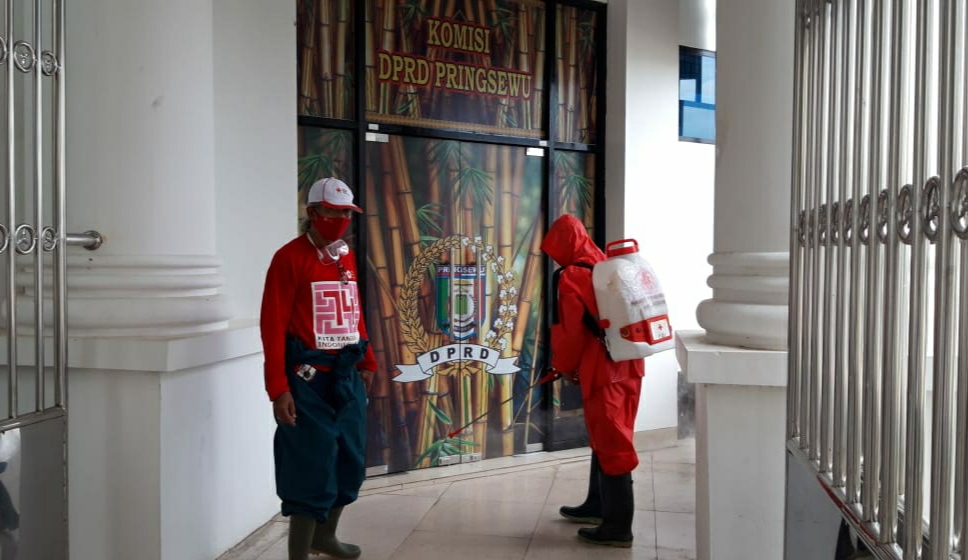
610,390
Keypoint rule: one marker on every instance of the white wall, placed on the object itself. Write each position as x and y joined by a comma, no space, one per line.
114,455
255,142
697,24
217,471
666,185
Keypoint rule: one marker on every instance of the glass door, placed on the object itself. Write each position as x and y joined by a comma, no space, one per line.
455,272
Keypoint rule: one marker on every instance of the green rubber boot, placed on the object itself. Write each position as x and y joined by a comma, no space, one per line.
325,541
301,530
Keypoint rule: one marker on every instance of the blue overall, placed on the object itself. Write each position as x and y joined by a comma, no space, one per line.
320,462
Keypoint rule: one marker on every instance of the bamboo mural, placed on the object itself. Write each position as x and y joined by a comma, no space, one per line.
577,75
325,58
455,278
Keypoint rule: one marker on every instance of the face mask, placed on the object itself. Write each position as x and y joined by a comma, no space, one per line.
331,229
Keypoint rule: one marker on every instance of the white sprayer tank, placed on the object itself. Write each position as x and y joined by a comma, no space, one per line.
631,305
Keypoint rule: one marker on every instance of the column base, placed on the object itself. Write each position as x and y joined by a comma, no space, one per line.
134,296
749,303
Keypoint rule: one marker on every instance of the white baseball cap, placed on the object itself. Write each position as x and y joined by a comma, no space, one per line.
332,193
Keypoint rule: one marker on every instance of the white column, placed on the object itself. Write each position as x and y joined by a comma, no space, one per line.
754,75
739,363
149,398
141,169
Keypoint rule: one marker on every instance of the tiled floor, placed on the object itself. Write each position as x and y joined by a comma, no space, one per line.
508,509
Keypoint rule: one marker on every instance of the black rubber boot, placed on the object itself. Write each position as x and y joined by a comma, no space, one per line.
618,507
325,541
301,530
590,511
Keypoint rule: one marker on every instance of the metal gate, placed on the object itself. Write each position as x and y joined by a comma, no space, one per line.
878,371
33,432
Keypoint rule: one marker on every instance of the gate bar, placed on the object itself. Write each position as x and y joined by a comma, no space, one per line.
807,410
943,420
872,357
840,368
819,157
959,210
830,288
60,210
960,214
891,410
12,385
856,338
959,217
794,332
39,377
917,334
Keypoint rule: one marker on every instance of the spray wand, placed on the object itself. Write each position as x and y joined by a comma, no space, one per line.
551,375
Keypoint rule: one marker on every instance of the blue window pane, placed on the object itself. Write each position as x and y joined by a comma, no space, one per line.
687,90
698,121
708,80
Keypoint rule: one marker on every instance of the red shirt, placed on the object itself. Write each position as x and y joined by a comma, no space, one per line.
307,298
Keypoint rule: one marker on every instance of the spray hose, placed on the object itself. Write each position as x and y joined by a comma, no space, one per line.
551,374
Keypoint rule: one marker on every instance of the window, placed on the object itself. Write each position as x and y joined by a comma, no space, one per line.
697,95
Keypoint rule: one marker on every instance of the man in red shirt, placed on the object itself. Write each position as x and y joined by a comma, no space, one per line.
318,365
610,390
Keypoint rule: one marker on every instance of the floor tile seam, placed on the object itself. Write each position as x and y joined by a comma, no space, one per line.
467,476
657,509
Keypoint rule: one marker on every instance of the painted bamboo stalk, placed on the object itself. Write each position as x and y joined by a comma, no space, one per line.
379,393
488,217
407,91
430,149
326,57
387,311
506,189
539,67
525,30
428,421
307,82
526,299
389,22
535,371
339,84
586,79
572,83
398,271
371,77
404,193
529,281
519,159
562,75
